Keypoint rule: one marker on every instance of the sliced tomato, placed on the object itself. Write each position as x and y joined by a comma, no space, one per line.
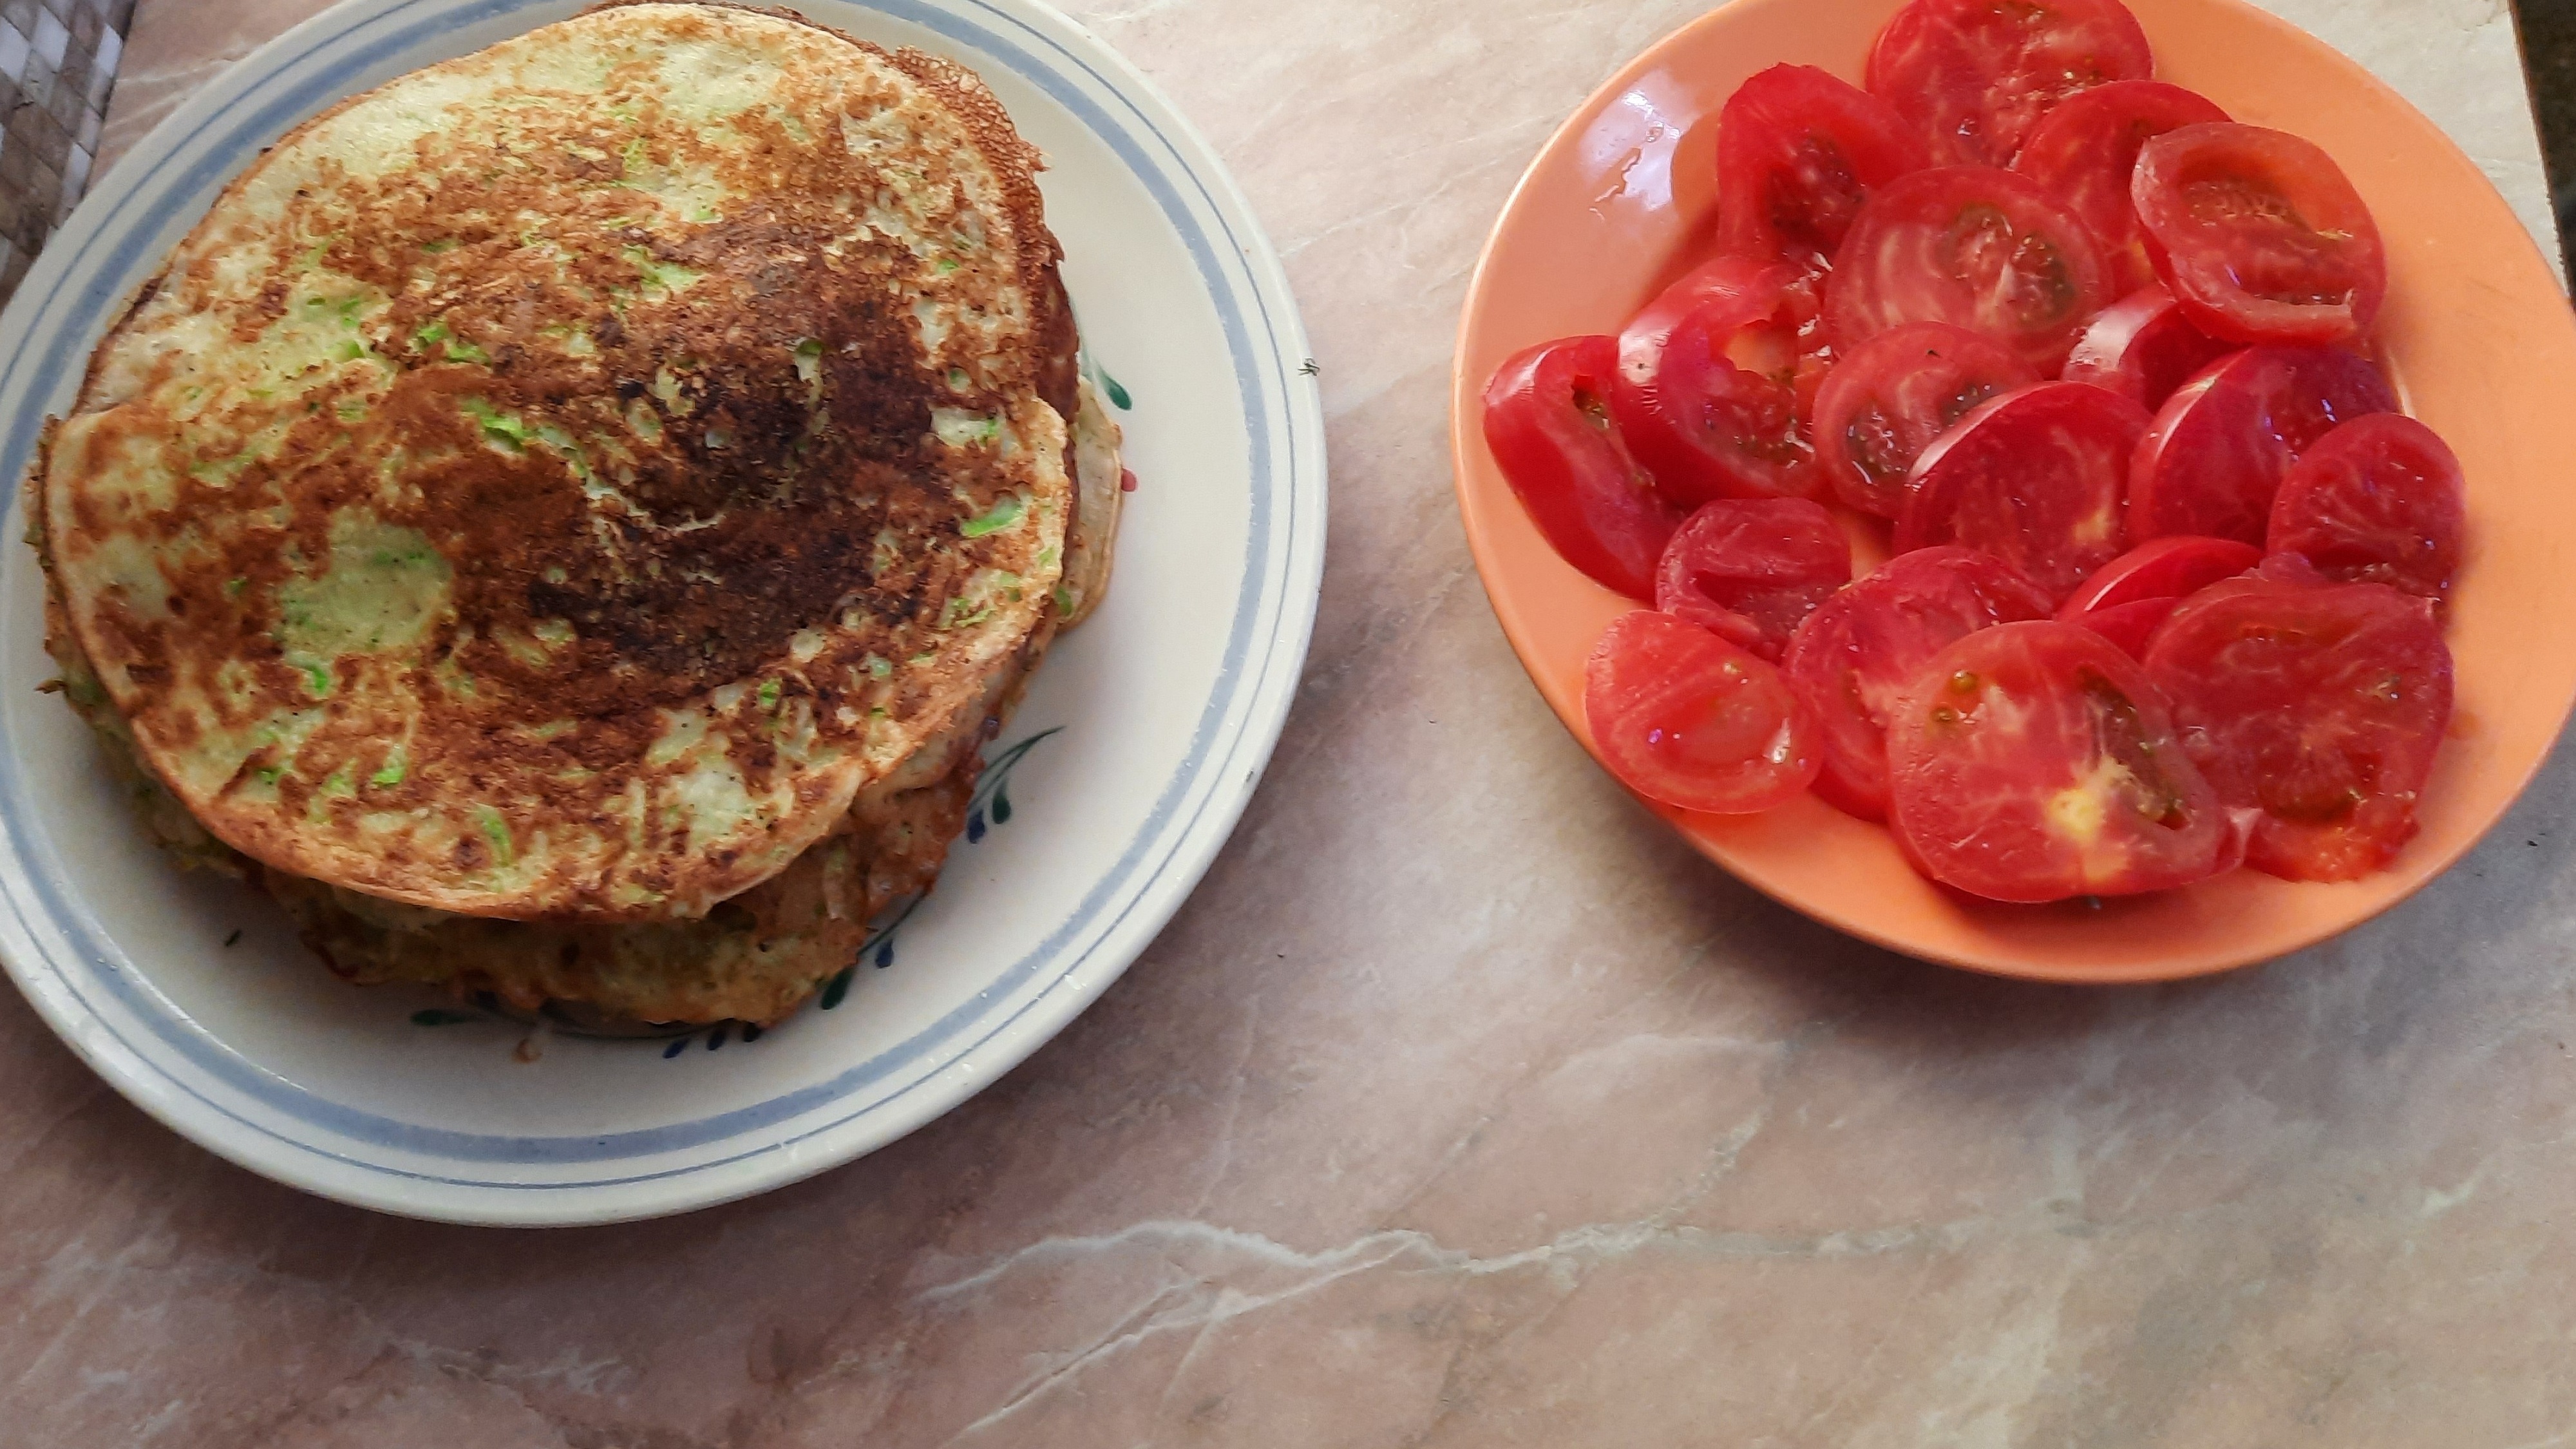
2218,448
2035,762
2085,151
1885,402
2143,347
2379,499
2034,477
2131,626
1813,368
1853,657
1753,569
1798,149
1685,718
1984,249
2318,704
2259,235
1974,76
1707,386
1547,418
2130,597
2163,568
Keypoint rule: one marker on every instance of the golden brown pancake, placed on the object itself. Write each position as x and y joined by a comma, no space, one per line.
567,522
557,483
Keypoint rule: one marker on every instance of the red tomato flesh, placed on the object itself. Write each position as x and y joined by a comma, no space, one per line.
1753,569
2036,762
2378,500
1547,418
2216,453
2259,235
2035,478
1706,392
2143,347
1685,718
1852,659
2086,150
1974,76
2318,704
1798,150
1892,395
1970,245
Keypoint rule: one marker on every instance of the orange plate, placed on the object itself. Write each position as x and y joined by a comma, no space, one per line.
2477,336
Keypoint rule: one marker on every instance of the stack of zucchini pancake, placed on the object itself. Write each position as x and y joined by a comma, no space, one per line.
566,523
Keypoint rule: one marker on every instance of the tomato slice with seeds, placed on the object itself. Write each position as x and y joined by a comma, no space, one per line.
1687,719
1975,76
2259,234
2133,594
2086,150
2378,500
1547,419
2143,348
1706,393
2035,477
2036,762
1885,402
1981,248
2319,704
1798,150
1851,661
2216,453
1753,569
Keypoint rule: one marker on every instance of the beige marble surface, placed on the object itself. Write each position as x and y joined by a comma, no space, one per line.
1461,1106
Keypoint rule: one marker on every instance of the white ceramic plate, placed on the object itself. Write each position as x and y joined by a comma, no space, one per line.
1149,725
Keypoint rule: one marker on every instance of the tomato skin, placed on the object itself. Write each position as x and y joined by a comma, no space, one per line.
1886,401
2129,598
2214,458
1687,719
1974,76
1706,394
2378,500
1547,420
2131,626
1977,247
2259,235
2142,347
2036,762
2035,477
1753,569
2085,152
1851,661
2320,705
1798,149
2173,567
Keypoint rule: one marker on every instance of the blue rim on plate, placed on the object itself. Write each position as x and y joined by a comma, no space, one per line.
109,1010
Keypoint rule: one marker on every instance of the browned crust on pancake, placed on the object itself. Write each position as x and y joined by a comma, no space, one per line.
756,957
770,947
1011,157
644,641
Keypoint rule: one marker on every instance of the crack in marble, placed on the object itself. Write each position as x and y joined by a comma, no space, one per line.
1208,1305
1226,1303
1222,1151
1118,1338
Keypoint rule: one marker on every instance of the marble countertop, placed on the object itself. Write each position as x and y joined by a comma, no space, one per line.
1462,1105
